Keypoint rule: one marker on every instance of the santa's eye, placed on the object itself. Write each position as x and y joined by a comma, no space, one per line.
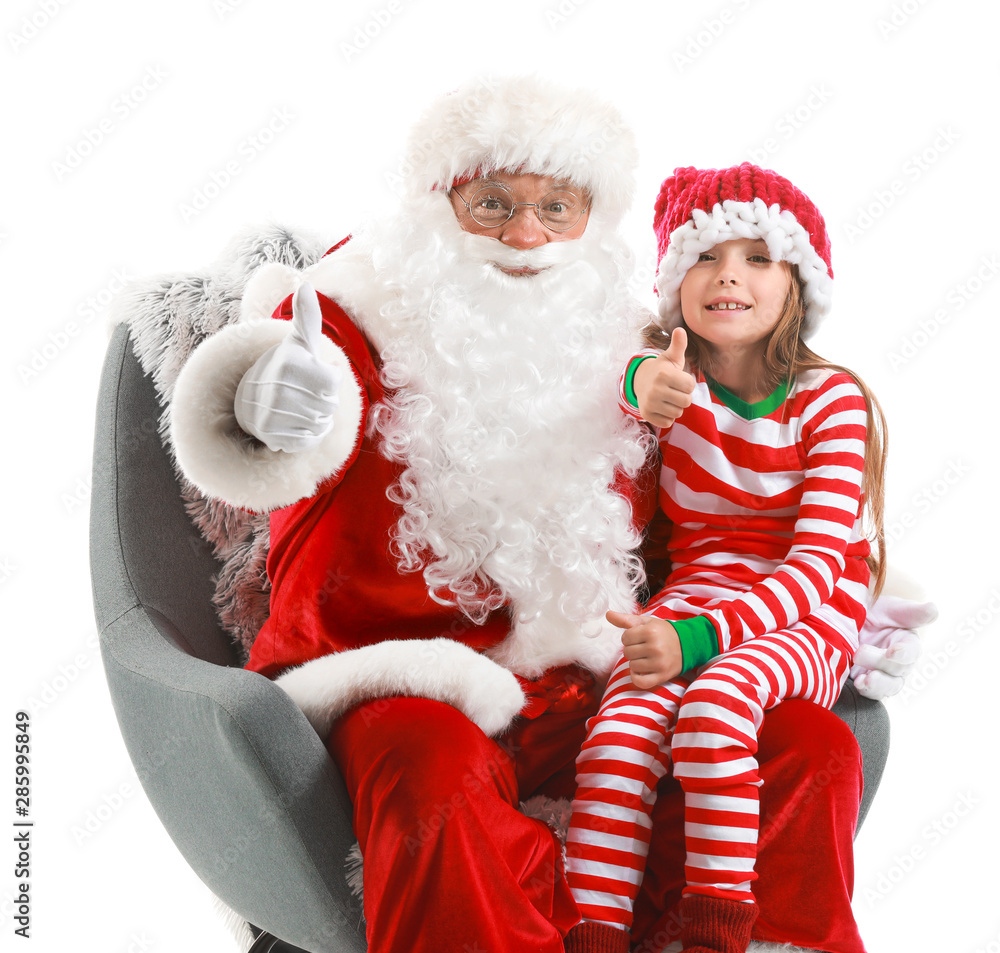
492,201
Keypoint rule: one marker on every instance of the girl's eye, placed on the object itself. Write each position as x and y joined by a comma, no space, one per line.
705,256
760,259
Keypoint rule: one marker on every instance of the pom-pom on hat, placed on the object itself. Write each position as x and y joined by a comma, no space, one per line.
525,124
699,208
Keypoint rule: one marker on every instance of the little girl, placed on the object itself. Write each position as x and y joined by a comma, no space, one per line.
770,455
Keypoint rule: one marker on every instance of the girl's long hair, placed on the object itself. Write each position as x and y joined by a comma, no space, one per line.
785,356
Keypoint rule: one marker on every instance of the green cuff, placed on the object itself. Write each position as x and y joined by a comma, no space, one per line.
699,643
630,375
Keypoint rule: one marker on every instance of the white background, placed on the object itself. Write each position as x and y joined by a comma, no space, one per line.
116,116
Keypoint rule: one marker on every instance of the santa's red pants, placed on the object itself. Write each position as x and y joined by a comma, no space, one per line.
452,865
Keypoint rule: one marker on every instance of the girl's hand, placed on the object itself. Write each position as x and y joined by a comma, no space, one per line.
662,387
651,647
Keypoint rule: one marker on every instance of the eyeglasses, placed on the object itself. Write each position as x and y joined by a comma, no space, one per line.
494,205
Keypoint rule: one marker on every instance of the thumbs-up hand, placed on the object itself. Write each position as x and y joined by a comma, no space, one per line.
652,647
288,397
662,386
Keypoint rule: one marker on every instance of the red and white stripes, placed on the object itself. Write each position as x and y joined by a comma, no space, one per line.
765,509
766,544
705,728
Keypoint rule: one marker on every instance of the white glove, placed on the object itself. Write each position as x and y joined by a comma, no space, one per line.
288,398
889,646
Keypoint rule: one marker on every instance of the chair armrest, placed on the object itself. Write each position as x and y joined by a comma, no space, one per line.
240,781
869,721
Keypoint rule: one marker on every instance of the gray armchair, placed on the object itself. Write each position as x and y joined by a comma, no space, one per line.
236,774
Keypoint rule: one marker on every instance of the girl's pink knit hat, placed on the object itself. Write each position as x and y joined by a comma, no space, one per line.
699,208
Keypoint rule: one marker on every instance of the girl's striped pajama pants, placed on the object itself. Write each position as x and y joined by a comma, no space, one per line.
704,724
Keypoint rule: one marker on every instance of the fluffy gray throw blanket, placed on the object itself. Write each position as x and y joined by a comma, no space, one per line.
168,317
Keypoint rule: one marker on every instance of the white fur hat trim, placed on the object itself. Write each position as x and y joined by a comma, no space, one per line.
786,240
529,124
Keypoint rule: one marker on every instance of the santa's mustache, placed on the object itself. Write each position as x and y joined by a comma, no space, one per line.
480,249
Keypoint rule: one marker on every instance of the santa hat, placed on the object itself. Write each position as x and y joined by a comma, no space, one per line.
699,208
525,124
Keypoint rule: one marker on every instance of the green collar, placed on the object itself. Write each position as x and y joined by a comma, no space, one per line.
749,411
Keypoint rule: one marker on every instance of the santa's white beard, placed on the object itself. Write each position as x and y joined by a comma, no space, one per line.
503,409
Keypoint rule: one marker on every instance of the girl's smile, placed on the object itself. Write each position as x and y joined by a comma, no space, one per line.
734,294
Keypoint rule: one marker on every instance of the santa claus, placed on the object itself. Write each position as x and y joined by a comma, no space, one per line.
455,502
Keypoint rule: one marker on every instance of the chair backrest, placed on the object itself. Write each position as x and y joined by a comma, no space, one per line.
144,548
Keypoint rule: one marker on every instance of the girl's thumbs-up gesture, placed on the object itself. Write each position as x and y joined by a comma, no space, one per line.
662,386
288,397
652,648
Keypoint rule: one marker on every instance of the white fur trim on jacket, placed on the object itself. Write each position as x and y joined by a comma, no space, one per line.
440,669
786,239
227,464
345,277
526,123
267,287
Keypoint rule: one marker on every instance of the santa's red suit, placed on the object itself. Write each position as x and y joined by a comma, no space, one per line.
449,857
335,583
443,724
